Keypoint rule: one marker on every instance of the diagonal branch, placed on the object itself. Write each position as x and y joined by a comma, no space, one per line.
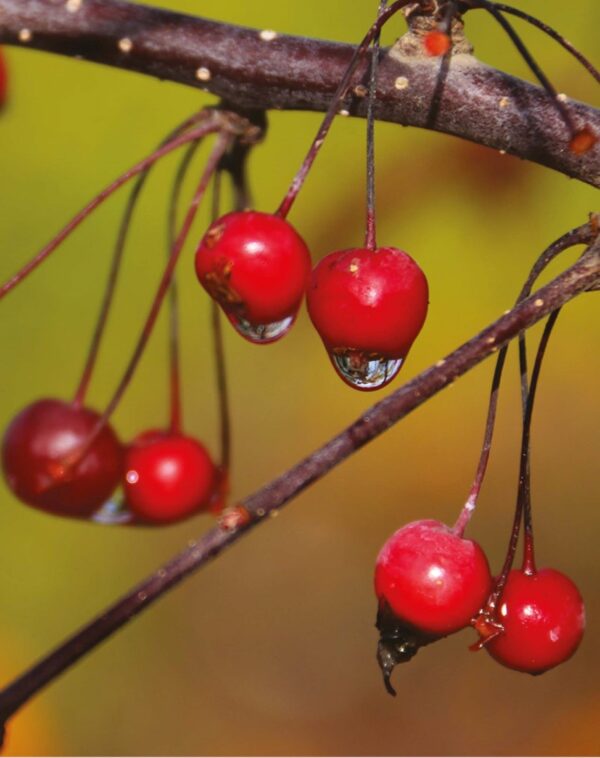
584,275
250,69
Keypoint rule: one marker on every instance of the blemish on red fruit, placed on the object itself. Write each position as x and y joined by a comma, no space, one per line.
40,456
543,618
167,477
367,306
436,43
582,141
256,266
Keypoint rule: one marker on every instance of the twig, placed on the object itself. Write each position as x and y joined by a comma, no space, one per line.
254,70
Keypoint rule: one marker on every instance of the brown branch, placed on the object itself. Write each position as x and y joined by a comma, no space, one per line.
582,276
248,70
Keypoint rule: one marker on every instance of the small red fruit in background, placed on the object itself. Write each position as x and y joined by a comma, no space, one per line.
543,619
41,463
256,266
368,306
168,476
431,578
3,79
436,43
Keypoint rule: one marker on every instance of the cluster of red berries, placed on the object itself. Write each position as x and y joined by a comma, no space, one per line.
64,459
367,305
431,582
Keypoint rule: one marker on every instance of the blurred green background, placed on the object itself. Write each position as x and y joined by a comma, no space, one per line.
270,650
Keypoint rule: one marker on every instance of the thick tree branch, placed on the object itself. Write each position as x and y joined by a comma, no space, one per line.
584,275
254,70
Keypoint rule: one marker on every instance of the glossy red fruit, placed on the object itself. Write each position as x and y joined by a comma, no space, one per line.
432,579
256,266
543,618
3,79
368,306
167,477
38,452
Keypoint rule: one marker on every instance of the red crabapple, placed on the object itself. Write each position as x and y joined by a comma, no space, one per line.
431,578
367,306
256,266
543,618
167,477
41,462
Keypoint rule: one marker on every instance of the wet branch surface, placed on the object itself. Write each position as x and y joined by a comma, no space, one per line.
584,275
250,70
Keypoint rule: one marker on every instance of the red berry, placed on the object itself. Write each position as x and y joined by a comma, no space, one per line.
39,456
436,43
167,477
368,306
431,578
256,266
3,79
543,618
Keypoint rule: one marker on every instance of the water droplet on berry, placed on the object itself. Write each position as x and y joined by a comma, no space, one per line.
112,513
261,333
365,371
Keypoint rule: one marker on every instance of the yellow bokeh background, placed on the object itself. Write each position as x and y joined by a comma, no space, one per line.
270,650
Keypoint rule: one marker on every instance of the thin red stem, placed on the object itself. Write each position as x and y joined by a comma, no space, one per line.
524,494
101,197
370,228
581,235
223,142
218,342
338,97
115,269
174,352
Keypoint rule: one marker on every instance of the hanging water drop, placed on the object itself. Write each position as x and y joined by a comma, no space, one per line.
113,512
365,371
261,334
